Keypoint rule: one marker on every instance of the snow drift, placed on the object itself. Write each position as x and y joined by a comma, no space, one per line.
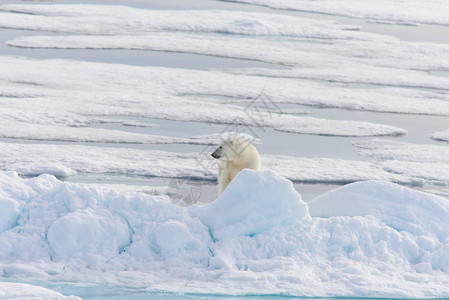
368,239
22,291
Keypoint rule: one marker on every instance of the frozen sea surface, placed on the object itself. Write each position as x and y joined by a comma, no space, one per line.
125,101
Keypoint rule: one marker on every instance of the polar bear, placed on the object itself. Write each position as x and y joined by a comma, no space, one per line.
235,154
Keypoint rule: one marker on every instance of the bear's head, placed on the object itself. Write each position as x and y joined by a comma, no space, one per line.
232,149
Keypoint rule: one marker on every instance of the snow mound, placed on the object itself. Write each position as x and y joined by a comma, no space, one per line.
371,239
399,207
173,236
86,231
253,202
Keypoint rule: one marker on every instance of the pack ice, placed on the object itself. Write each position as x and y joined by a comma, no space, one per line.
370,238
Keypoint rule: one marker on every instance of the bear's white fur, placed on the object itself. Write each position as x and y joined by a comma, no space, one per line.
235,154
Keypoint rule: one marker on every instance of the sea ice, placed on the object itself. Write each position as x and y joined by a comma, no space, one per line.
429,163
390,11
32,158
46,111
441,136
238,210
328,43
400,162
368,239
379,61
116,20
35,169
22,291
397,150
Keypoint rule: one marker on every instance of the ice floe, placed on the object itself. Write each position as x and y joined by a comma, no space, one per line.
379,60
326,41
334,65
162,93
420,161
371,239
377,54
340,48
30,131
397,150
116,20
390,11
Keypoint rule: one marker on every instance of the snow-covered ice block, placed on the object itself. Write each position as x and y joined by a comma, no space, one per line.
172,236
9,212
88,231
253,202
399,207
373,239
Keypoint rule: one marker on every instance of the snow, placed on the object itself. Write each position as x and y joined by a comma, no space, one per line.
380,61
441,136
420,161
368,239
372,238
327,40
84,231
334,67
53,127
239,210
159,95
34,169
116,20
396,150
22,291
9,213
416,12
398,207
150,92
172,236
